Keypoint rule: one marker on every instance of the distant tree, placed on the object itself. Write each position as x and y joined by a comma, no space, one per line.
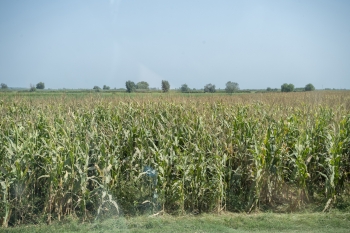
209,88
40,85
3,86
184,88
105,87
287,87
291,87
309,87
96,88
269,89
165,86
142,85
231,87
284,87
130,86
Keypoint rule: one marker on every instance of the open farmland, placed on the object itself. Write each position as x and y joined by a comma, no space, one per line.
91,155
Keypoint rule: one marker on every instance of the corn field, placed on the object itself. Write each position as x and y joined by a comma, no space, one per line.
67,156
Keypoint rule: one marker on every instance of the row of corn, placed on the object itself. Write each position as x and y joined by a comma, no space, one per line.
94,156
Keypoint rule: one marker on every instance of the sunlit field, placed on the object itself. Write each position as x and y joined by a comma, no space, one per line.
94,156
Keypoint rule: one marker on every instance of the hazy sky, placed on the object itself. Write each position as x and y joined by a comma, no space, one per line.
258,44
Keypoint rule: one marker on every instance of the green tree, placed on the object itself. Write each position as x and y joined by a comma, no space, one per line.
231,87
287,87
40,85
105,87
142,85
209,88
96,88
165,86
269,89
284,87
3,86
184,88
130,86
309,87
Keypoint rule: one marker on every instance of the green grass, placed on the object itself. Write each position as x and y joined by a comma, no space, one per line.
228,222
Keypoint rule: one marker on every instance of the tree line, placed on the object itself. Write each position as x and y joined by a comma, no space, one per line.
39,85
165,86
290,88
231,87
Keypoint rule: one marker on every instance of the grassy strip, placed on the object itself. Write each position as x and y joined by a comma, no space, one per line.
227,222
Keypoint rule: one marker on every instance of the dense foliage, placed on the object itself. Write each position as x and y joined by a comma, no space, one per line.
142,85
130,86
165,86
62,156
184,88
287,87
309,87
40,85
231,87
209,88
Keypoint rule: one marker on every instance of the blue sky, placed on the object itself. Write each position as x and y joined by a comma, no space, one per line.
258,44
